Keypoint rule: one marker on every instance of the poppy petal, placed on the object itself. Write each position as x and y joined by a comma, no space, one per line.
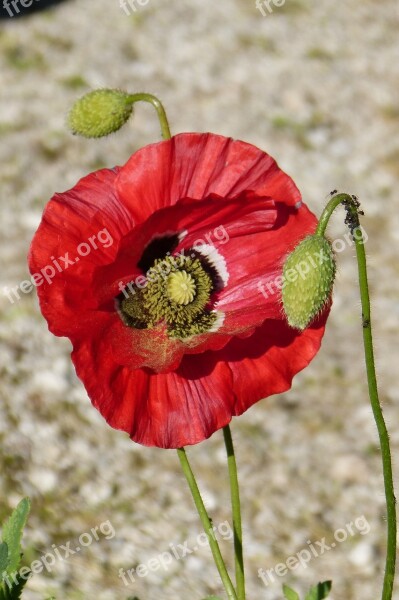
227,201
79,231
186,406
198,165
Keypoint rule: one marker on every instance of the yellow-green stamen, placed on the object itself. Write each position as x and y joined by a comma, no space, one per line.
177,293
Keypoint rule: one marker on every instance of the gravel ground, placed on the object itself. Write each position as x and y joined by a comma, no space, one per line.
311,83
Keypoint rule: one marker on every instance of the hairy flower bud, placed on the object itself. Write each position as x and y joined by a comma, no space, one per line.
308,276
100,113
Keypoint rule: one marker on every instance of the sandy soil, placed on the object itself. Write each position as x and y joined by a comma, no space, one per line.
313,84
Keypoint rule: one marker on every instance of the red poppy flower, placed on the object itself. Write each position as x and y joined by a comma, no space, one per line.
165,275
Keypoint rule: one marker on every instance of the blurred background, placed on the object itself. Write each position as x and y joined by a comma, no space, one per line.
314,85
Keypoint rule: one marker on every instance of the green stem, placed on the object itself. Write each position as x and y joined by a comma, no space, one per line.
157,104
328,211
352,209
207,525
236,510
380,422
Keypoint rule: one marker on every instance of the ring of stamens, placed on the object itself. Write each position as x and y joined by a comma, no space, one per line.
177,292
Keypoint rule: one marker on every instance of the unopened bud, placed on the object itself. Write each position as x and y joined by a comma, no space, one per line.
308,276
100,113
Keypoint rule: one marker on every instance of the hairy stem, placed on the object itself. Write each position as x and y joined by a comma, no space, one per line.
236,510
157,104
351,204
207,525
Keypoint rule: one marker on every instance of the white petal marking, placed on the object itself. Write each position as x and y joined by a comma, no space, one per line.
215,259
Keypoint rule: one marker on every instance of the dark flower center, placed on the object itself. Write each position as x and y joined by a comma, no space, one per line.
177,293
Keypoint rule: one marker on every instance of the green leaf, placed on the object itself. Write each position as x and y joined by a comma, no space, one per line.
3,559
320,591
12,534
289,593
14,592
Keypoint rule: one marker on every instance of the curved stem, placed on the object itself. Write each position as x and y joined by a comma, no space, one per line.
207,525
352,219
329,209
157,104
379,419
236,510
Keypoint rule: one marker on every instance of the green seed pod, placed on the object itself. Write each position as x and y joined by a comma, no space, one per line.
308,277
100,113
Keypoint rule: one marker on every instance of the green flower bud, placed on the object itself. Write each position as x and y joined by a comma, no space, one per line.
308,277
100,113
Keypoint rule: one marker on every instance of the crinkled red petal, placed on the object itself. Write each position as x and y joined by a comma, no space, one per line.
188,405
164,392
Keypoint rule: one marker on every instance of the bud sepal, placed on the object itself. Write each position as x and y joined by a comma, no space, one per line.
308,275
100,113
